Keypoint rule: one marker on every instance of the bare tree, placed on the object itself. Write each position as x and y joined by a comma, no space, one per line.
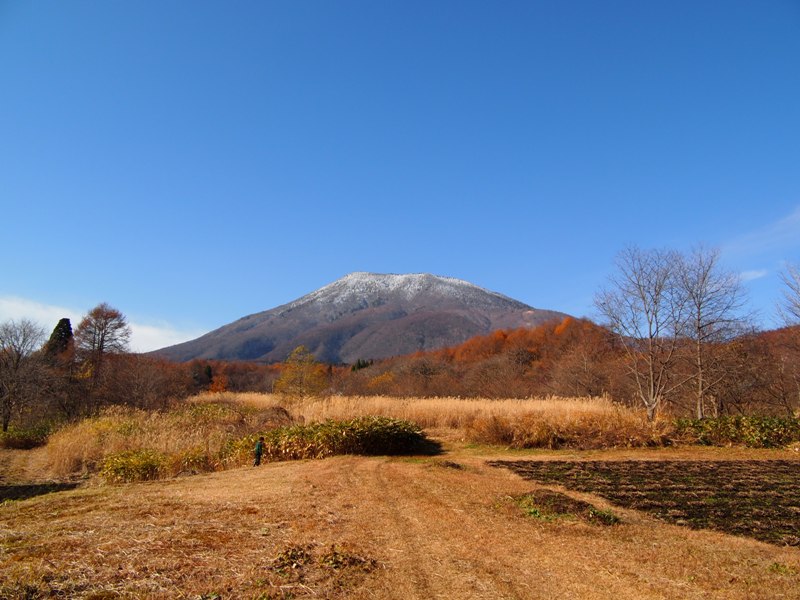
19,367
791,295
646,310
715,301
790,311
578,372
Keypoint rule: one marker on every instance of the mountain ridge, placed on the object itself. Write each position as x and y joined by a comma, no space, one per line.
366,315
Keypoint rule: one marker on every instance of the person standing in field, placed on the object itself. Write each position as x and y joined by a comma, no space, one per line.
259,451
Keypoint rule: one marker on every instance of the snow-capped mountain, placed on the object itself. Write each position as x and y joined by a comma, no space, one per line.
366,315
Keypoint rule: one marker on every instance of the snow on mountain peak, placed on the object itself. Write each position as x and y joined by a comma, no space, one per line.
361,285
409,282
367,315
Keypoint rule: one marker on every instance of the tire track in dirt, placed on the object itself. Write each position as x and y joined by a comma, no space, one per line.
402,532
446,533
21,466
423,517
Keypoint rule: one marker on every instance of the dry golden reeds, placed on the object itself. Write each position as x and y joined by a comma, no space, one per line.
196,435
550,422
191,435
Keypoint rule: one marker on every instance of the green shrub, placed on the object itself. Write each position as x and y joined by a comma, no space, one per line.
133,465
603,517
24,438
753,432
363,435
193,460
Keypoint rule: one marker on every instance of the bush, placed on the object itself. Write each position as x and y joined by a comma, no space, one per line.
25,438
378,435
133,465
192,461
753,432
363,435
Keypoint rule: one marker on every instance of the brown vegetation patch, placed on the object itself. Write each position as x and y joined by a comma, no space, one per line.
449,464
755,498
549,505
327,572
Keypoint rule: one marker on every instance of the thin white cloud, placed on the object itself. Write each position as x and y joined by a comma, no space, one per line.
781,235
46,315
144,337
752,275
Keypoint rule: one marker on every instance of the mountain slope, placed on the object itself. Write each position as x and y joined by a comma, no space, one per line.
366,315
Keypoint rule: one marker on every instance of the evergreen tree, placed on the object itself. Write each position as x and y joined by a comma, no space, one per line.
60,340
63,388
361,364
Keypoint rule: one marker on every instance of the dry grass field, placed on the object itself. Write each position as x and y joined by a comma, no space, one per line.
552,421
444,525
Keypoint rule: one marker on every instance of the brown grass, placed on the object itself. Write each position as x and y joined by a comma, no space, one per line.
427,412
447,526
190,435
550,422
356,527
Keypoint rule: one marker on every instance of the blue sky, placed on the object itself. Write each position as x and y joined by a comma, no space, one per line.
192,162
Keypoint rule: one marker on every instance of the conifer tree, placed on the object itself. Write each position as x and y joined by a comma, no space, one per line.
60,340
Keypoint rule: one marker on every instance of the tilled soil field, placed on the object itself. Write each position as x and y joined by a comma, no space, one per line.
755,498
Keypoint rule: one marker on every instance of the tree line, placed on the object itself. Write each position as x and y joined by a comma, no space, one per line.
74,373
676,335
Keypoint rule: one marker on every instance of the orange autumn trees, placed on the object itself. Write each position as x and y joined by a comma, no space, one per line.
568,357
575,357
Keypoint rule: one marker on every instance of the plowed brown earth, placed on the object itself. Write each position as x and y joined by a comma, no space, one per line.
364,527
757,498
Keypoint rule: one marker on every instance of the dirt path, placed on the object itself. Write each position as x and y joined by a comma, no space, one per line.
355,527
21,466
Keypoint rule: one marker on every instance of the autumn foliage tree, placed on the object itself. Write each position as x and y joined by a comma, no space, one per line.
588,362
514,363
104,331
301,375
144,381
